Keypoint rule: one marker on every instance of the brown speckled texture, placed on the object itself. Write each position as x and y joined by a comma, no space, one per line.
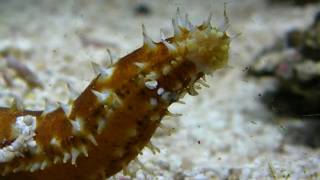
238,137
121,99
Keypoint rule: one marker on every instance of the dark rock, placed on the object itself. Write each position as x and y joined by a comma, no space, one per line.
295,65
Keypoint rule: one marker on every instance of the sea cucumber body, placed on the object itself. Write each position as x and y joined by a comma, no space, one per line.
116,115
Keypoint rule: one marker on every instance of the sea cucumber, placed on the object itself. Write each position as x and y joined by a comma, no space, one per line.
101,131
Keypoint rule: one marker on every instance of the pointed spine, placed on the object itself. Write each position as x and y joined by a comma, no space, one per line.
102,97
147,41
66,109
110,57
17,104
176,28
171,48
74,155
92,139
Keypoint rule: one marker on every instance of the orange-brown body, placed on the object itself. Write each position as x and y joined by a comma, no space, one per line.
117,114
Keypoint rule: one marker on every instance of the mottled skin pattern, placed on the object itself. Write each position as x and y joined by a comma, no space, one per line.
130,116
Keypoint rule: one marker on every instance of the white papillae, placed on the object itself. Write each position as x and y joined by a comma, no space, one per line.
151,84
77,125
24,129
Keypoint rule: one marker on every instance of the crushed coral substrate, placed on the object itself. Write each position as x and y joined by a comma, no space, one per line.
223,133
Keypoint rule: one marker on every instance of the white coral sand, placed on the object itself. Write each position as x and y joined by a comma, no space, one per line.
224,133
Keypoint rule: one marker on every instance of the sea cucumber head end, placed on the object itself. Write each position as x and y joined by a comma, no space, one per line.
208,49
